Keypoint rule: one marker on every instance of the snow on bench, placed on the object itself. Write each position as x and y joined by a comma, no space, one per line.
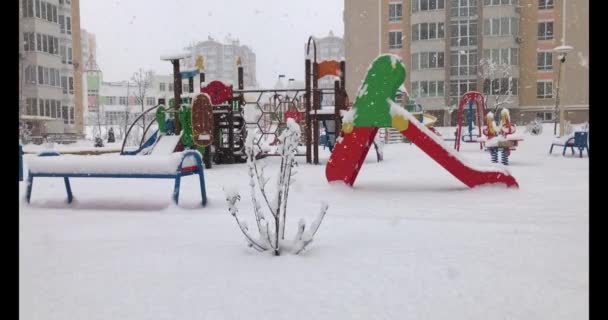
73,164
173,166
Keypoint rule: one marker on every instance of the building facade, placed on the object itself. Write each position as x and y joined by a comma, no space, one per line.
49,102
220,61
503,48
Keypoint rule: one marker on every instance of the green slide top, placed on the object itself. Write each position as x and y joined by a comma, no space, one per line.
384,77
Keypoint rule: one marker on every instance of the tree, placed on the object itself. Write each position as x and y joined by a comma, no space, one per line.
272,237
142,81
497,83
97,120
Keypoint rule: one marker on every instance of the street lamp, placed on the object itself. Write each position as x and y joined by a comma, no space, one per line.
562,51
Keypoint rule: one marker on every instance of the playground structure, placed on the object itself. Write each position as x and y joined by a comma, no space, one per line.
474,117
217,130
374,108
273,106
500,138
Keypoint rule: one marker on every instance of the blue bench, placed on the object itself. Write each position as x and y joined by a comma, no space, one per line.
579,141
173,167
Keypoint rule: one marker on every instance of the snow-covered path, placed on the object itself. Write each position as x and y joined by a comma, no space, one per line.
409,241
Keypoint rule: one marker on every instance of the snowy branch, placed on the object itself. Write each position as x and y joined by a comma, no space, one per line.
272,237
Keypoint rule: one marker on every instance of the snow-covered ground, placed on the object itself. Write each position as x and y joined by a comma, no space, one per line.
409,241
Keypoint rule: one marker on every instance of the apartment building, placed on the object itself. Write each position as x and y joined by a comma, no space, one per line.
499,47
220,61
50,102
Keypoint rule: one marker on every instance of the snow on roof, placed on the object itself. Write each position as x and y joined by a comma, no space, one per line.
175,56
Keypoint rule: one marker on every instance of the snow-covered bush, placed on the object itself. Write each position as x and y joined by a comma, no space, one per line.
271,229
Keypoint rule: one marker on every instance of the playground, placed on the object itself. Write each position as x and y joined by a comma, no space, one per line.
429,229
407,239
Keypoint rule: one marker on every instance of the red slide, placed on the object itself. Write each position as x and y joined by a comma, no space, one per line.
349,154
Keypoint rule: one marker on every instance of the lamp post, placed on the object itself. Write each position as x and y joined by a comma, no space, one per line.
563,51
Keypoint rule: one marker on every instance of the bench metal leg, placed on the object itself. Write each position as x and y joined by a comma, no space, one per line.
572,148
201,179
66,180
564,152
30,185
551,150
178,179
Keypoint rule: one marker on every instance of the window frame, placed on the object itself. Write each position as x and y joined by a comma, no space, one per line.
392,11
395,35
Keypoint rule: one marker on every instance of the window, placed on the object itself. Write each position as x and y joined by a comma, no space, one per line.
65,114
544,89
47,108
463,8
424,60
394,11
415,61
463,33
45,47
544,60
32,40
502,56
55,14
38,41
463,63
499,2
28,106
68,25
460,87
162,86
545,4
71,85
501,27
64,84
51,45
28,8
545,116
545,30
500,86
122,101
71,115
46,76
63,55
43,9
150,101
49,12
428,31
427,88
170,86
52,77
37,8
40,75
394,40
55,45
62,23
69,51
26,41
53,109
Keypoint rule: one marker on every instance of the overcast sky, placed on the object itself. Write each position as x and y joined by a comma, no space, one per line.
134,33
